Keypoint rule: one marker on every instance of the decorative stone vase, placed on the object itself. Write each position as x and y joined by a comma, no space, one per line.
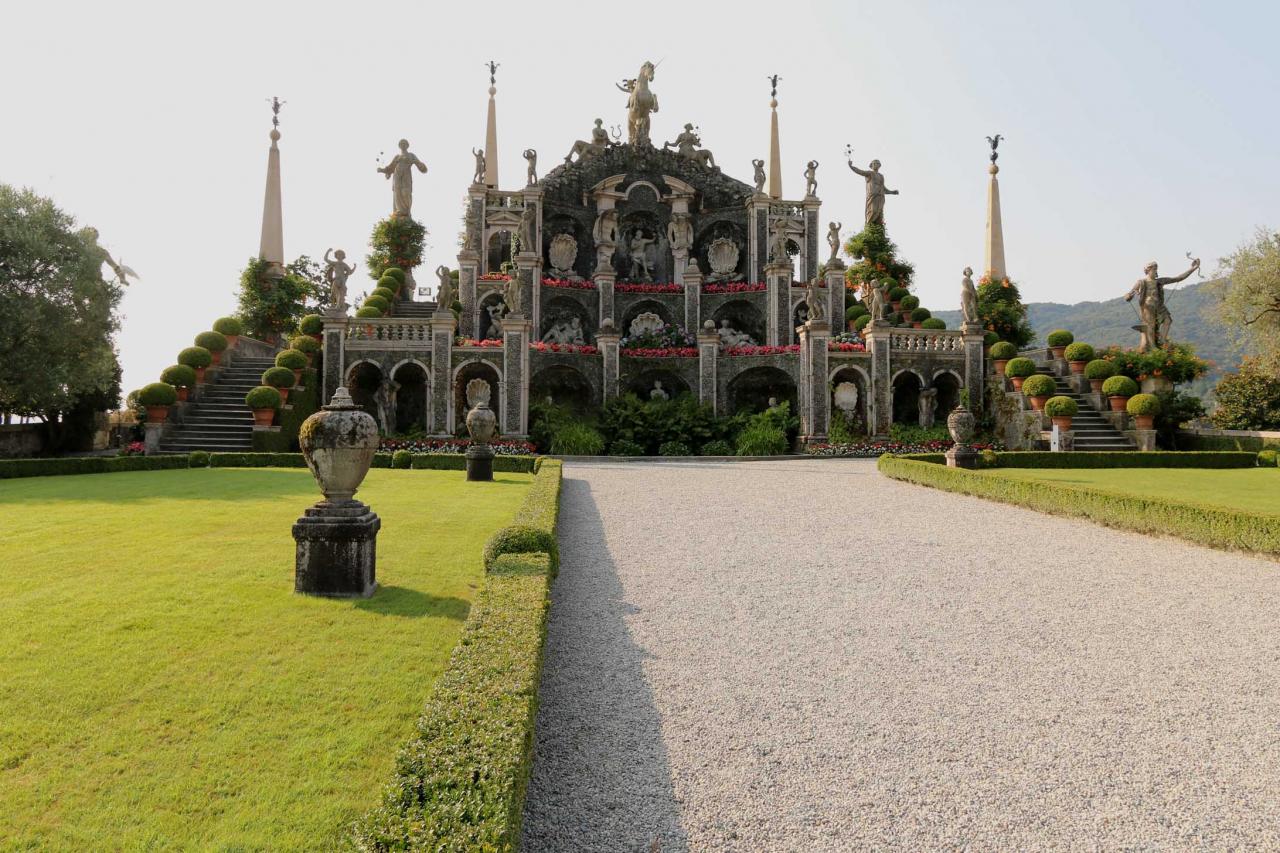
1144,421
264,417
1118,404
1077,367
961,423
339,442
482,425
157,414
1037,403
1062,423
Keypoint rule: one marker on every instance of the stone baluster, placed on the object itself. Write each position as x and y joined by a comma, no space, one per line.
815,401
708,352
607,341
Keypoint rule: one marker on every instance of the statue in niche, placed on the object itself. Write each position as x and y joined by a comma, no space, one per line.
811,179
778,244
928,404
731,337
606,228
496,311
686,145
529,228
759,176
384,402
658,393
845,398
641,102
531,169
680,232
511,295
638,251
336,273
121,271
582,150
564,331
969,299
833,240
478,177
444,292
1156,319
400,172
876,190
813,299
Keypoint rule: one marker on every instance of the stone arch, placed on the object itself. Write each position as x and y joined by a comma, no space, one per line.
559,309
948,383
565,385
646,306
484,326
742,315
498,249
474,368
751,389
412,395
861,416
643,383
362,380
906,396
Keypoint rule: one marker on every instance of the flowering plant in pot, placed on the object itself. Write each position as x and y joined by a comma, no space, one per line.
1098,371
157,398
229,327
214,342
1001,353
1019,369
1038,389
197,358
293,360
1078,355
182,377
1061,410
264,400
281,379
1118,389
1144,408
1058,341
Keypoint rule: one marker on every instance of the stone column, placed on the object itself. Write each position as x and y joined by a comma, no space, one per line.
758,239
515,376
529,271
974,364
607,341
835,297
604,286
877,338
778,280
708,352
468,272
442,323
692,301
809,261
335,364
815,401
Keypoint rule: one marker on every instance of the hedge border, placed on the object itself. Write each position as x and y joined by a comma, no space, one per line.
15,468
51,467
1118,459
460,782
1204,525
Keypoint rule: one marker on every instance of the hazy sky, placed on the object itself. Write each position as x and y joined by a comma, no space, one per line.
1133,131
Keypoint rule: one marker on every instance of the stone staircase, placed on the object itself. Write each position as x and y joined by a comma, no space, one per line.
219,420
416,310
1092,430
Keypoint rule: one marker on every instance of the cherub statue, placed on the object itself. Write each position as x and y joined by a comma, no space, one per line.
336,273
478,178
778,243
875,305
759,176
511,294
811,178
444,292
531,172
658,392
496,311
969,299
813,299
400,172
833,240
528,228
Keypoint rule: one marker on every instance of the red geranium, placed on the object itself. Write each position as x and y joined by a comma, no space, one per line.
639,287
761,350
735,287
584,349
581,284
472,342
663,352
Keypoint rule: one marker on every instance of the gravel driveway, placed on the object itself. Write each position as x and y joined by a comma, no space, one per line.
805,655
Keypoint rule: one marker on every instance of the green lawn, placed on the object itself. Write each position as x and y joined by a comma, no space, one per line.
161,686
1249,489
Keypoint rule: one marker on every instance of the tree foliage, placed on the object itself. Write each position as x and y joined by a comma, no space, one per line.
1002,311
272,305
876,259
1250,293
1249,399
397,241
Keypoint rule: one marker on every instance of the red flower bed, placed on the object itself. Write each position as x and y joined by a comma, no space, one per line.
758,350
494,276
472,342
735,287
663,352
844,346
821,284
503,447
637,287
572,285
584,349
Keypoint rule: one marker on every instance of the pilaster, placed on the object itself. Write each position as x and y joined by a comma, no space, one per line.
468,272
529,272
876,335
442,323
607,341
335,365
809,262
972,335
815,401
835,297
778,281
708,353
515,376
692,301
604,287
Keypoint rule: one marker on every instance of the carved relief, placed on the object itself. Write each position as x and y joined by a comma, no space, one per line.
722,256
562,254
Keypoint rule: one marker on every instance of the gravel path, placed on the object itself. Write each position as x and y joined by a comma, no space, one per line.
901,669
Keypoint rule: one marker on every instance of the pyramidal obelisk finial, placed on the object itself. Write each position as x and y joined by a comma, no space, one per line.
271,248
775,151
994,255
491,130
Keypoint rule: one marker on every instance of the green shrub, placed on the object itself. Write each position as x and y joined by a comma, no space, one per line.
762,440
719,447
402,459
1248,399
257,460
855,311
458,462
1061,407
376,302
1059,338
390,282
384,293
1003,351
157,394
919,315
623,447
1099,368
910,302
990,339
394,272
1119,386
988,458
179,375
1124,459
198,459
674,448
263,397
368,313
15,468
195,357
1020,366
291,359
228,326
304,344
1039,385
861,322
278,377
312,324
896,294
1143,404
577,439
212,341
1078,351
1267,458
934,323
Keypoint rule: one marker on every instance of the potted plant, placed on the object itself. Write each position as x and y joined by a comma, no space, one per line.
1038,389
182,377
281,379
264,400
861,323
383,305
1058,341
313,325
293,360
1019,369
896,295
919,315
197,358
1078,356
214,342
157,398
909,303
1061,410
368,314
1001,352
1144,408
935,323
229,327
305,344
1118,389
384,293
1098,371
391,282
989,340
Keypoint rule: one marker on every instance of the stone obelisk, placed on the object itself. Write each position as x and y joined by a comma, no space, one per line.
774,187
994,256
271,247
491,132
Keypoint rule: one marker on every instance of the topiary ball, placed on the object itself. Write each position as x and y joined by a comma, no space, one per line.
157,394
376,302
623,447
1039,385
390,283
1143,404
1003,351
195,357
861,322
278,377
368,313
674,448
1059,338
990,339
719,447
919,315
1119,386
518,539
228,326
179,376
910,302
263,397
385,293
1019,367
896,294
394,272
291,359
1060,407
1099,368
401,459
1078,351
312,324
1267,458
933,323
853,312
198,459
212,341
304,343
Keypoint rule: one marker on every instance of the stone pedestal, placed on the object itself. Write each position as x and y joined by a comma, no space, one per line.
335,336
607,341
962,456
337,550
809,251
835,296
876,334
708,353
1144,438
151,438
1156,384
441,323
468,272
974,363
604,286
778,281
515,372
1066,440
479,462
814,399
692,301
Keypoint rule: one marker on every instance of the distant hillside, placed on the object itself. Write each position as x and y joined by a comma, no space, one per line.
1110,323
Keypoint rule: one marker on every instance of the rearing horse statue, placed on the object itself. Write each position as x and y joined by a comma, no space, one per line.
640,104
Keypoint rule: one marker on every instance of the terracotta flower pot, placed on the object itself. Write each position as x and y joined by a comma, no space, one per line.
319,337
999,365
231,340
1077,367
1118,403
297,375
1057,351
897,306
182,393
263,417
1037,403
284,394
157,414
217,356
1096,384
916,325
1062,423
1144,421
1017,382
200,374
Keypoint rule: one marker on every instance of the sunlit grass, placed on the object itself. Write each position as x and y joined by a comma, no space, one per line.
1249,489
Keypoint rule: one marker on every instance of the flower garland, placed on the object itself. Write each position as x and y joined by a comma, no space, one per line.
472,342
581,284
584,349
1175,362
640,287
871,449
761,350
453,445
735,287
662,352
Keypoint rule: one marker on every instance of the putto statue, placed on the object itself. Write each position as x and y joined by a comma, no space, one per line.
599,142
969,299
606,227
529,228
875,303
336,273
811,179
759,175
531,171
778,244
444,292
686,145
833,240
478,177
1156,318
400,172
813,300
641,102
876,190
511,295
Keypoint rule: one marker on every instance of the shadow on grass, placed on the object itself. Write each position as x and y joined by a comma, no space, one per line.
414,604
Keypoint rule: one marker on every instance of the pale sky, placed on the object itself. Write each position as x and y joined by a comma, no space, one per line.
1133,131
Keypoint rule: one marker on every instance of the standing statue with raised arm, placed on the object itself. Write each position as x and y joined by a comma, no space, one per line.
876,190
531,172
969,299
811,179
1156,318
400,172
444,292
121,271
478,177
833,240
759,175
641,102
336,272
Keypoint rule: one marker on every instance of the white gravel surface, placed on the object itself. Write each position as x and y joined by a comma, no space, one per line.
805,655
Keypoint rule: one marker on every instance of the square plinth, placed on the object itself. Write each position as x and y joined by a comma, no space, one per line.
337,550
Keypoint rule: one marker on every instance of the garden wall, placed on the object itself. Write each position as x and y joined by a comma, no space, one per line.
1227,439
18,440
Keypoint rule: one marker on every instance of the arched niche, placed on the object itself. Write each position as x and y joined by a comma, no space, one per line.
743,316
464,373
906,398
563,309
751,390
646,306
562,385
411,396
644,383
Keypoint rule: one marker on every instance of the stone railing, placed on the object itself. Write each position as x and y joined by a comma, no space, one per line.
389,333
944,341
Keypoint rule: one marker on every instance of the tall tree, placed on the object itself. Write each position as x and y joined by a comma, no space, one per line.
1250,295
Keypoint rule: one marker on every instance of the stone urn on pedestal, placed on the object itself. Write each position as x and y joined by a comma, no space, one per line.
337,538
961,424
482,424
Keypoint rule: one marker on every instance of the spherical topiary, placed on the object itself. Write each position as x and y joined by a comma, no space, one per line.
1119,386
1143,404
389,282
623,447
263,397
291,359
368,313
312,324
195,357
1099,368
897,293
1039,385
989,459
855,311
157,394
304,343
936,323
1003,351
674,448
394,272
212,341
1267,458
401,459
919,315
179,376
1059,338
228,326
910,302
198,459
990,339
861,323
1019,367
278,377
1078,351
385,293
376,302
1061,407
719,447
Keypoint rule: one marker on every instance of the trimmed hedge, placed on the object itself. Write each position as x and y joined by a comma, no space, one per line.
534,527
1110,459
1195,441
11,469
302,404
919,315
936,323
402,459
458,462
1267,458
1207,525
304,344
1059,338
291,359
256,460
312,324
179,376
